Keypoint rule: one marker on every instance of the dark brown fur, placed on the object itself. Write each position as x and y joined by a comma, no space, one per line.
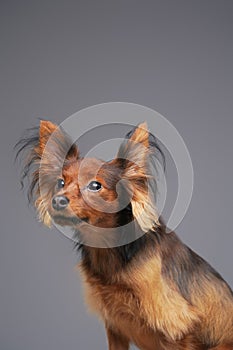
154,292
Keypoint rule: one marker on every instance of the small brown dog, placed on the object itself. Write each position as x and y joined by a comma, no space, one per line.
154,292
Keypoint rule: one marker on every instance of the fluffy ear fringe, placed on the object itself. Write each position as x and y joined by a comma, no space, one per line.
139,154
43,152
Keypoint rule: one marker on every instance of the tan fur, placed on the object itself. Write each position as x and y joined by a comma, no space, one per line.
141,302
43,212
137,151
159,296
217,307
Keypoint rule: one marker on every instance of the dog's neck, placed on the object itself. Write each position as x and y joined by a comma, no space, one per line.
104,263
107,263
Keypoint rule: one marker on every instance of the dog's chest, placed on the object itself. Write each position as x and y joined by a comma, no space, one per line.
119,308
111,302
140,306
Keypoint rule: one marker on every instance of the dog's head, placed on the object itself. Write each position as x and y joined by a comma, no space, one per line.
71,190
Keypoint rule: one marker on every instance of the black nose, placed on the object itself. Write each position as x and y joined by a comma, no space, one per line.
60,202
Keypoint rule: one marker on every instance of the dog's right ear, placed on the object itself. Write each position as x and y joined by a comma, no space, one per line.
58,140
44,150
45,131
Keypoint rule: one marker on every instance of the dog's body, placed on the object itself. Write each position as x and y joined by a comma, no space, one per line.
166,297
154,292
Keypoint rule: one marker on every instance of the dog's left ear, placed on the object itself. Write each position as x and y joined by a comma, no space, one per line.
136,147
135,155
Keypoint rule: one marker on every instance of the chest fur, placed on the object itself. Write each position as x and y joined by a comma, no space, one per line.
140,301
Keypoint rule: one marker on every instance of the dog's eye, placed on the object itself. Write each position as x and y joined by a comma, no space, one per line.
60,183
94,186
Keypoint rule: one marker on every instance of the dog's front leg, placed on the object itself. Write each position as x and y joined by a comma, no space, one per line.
116,341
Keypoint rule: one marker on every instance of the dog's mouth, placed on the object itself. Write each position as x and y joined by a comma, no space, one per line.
68,220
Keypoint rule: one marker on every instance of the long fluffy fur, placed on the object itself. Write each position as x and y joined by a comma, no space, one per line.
154,292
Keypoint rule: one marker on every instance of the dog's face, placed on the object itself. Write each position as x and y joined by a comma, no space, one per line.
72,191
87,191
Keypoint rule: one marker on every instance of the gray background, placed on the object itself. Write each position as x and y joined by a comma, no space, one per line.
60,56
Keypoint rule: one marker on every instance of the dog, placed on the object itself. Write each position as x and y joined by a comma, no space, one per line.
152,290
